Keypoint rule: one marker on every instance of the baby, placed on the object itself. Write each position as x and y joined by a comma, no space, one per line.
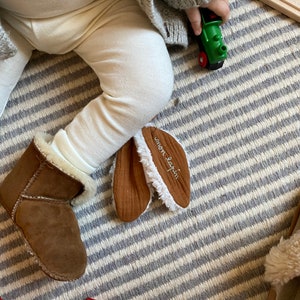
124,42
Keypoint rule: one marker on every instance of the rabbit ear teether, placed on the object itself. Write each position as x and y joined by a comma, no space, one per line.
165,165
131,193
151,160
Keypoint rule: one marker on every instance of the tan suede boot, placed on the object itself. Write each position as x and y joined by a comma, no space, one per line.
37,195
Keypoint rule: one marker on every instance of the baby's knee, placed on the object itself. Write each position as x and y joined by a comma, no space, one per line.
151,69
155,84
160,86
154,94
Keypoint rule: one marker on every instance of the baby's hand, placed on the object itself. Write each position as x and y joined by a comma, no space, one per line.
219,7
194,17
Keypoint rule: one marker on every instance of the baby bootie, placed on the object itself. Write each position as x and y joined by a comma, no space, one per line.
152,160
37,194
283,265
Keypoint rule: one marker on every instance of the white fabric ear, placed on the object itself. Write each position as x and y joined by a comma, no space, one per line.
153,171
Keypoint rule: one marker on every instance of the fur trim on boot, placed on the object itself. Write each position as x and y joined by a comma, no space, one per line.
42,141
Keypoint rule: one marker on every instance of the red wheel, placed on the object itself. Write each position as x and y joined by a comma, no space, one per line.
202,59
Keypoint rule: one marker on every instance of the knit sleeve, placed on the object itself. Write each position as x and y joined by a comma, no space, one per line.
184,4
7,49
167,16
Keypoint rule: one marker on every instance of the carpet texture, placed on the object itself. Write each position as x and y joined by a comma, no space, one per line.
241,128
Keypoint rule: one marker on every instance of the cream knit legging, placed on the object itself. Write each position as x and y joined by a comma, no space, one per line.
133,65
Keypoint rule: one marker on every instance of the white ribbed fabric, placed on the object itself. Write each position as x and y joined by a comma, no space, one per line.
63,147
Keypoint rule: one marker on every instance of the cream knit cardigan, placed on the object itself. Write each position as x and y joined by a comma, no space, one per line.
166,15
7,49
170,20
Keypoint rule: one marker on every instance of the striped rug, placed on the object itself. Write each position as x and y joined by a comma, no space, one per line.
241,128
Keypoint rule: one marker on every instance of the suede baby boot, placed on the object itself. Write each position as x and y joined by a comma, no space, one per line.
37,195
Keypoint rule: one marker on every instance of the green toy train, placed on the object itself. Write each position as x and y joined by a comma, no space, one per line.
213,51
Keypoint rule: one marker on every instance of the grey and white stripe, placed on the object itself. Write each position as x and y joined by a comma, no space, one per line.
241,128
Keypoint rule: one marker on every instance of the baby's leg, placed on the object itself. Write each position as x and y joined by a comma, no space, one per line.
133,65
11,69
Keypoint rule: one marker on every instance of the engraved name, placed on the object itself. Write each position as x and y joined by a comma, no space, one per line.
168,159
